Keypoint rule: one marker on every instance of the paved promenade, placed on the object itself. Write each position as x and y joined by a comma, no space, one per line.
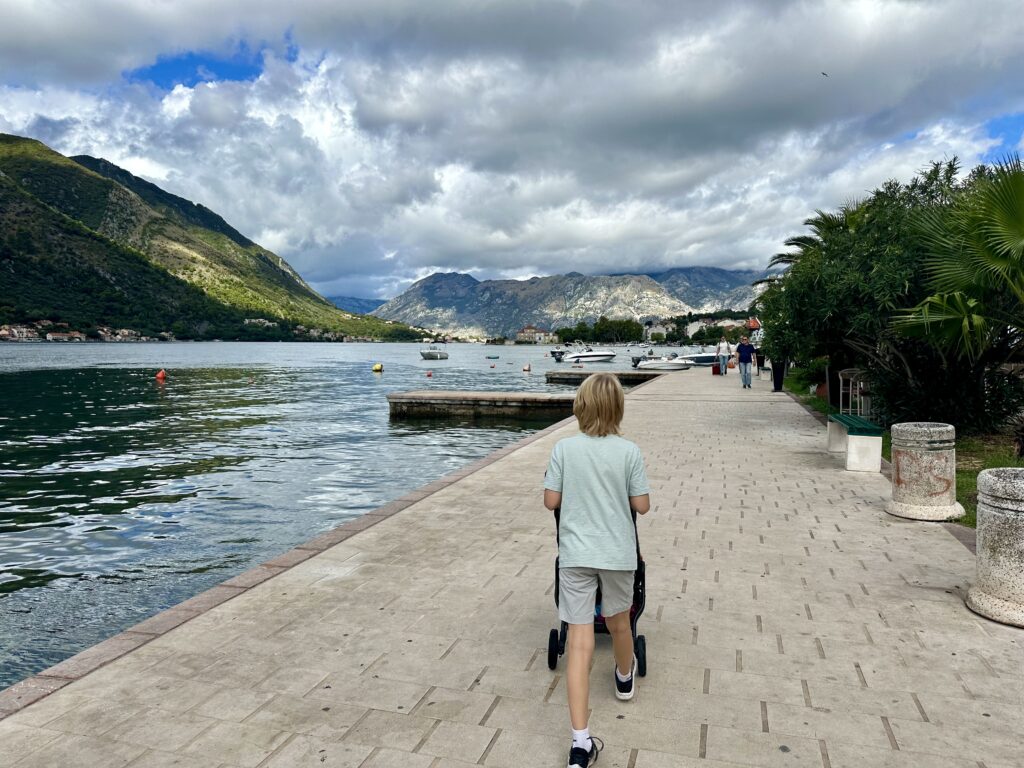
789,622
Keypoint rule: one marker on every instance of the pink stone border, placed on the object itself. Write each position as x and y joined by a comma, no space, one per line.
42,684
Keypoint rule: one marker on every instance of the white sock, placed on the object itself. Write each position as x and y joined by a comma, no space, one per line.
581,739
621,677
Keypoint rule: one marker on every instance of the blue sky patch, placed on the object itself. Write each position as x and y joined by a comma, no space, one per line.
196,67
1008,129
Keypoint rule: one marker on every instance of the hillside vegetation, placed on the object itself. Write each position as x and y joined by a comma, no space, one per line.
85,221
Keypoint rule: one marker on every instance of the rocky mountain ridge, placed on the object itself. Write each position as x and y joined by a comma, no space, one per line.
460,304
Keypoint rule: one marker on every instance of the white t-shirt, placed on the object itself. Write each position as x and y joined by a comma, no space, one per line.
723,348
596,476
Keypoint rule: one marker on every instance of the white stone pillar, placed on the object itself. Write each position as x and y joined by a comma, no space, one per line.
998,592
836,434
924,471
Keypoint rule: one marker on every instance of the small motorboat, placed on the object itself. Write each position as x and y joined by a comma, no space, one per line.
581,353
434,352
670,362
492,357
701,355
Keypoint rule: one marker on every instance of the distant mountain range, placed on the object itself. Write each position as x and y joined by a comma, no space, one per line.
85,242
460,304
352,304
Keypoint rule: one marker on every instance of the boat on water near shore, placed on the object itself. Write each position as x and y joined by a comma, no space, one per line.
582,353
434,352
700,356
669,362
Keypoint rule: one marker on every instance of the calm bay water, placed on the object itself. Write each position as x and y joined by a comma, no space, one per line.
120,497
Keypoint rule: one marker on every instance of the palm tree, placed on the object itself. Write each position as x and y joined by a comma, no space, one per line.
976,268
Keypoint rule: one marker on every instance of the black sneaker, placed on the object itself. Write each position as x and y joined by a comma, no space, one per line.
624,689
580,756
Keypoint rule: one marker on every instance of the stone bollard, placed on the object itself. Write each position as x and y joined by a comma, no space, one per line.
924,471
998,592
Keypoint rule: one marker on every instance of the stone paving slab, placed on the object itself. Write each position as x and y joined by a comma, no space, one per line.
789,622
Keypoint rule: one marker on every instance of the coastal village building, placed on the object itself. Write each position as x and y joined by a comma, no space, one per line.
71,336
663,328
530,334
18,333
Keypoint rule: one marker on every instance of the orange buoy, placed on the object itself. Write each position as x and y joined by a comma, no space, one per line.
161,375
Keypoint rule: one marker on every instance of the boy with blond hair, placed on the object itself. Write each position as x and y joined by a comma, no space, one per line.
596,478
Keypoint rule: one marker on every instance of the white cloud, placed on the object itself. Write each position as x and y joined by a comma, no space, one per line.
509,138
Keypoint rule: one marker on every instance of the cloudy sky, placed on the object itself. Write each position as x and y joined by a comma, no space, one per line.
371,142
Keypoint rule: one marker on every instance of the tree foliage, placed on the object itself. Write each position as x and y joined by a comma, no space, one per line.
856,271
975,266
603,331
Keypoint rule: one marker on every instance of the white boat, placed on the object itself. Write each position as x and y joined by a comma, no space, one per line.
581,353
670,362
701,355
433,352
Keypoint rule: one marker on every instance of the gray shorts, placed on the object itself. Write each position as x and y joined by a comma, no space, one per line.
577,590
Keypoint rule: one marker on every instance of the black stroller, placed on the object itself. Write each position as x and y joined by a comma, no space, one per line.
556,640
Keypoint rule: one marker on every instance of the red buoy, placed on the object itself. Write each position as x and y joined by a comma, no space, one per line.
429,374
161,375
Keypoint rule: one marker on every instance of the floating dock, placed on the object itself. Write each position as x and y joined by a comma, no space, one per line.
427,403
626,378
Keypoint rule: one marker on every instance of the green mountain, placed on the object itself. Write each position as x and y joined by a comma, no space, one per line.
85,242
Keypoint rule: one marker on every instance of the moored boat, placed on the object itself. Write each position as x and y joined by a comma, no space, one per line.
670,362
433,352
700,356
582,353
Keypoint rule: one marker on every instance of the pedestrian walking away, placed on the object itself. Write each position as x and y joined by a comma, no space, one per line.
597,479
724,352
745,358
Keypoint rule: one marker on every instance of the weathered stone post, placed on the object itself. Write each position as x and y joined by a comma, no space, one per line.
998,591
924,471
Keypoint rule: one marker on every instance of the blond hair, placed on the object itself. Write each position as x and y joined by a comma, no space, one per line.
599,405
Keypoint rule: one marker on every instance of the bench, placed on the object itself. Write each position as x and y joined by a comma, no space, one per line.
859,438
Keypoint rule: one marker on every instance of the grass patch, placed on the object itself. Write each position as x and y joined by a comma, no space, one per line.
974,454
799,389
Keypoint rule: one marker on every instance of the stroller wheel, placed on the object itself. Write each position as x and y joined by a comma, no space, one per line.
641,655
553,649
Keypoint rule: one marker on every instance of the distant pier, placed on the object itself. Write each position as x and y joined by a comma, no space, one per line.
626,378
532,406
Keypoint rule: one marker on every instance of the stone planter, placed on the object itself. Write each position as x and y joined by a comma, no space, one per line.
998,591
924,471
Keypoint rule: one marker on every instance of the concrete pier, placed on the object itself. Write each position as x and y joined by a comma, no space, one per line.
531,406
790,622
626,378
